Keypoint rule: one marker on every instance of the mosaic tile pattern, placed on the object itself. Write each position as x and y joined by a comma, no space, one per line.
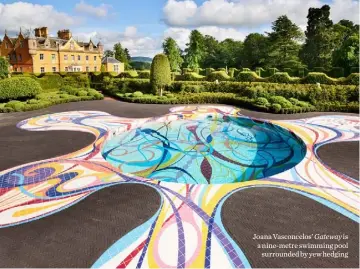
187,230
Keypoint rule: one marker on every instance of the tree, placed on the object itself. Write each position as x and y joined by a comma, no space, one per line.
195,50
108,53
127,53
283,43
4,68
230,52
160,75
173,52
254,51
347,55
121,55
318,47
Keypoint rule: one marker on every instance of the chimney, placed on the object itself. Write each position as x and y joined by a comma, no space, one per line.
64,34
44,31
41,32
37,32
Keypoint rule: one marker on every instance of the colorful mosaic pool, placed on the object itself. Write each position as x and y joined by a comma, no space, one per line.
179,154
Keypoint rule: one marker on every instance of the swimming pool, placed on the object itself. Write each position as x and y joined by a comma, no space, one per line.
213,149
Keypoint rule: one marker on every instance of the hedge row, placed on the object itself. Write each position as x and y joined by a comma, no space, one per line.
18,88
304,92
279,77
53,81
275,104
65,95
335,72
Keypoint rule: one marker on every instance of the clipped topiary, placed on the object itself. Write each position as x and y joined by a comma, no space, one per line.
247,76
276,107
281,101
322,78
261,101
144,74
18,87
4,68
160,73
218,75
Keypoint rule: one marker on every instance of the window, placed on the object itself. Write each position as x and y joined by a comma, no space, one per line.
21,44
65,57
87,57
20,57
15,69
78,69
71,45
42,69
41,56
87,69
95,68
54,69
73,58
21,69
53,57
66,69
94,58
116,68
79,58
6,45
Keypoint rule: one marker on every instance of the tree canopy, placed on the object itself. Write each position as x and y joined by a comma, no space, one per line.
173,52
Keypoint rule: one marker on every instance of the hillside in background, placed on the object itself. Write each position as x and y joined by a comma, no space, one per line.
141,59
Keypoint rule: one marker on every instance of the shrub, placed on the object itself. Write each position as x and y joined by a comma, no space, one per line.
281,101
272,71
189,77
51,81
218,75
313,78
337,72
15,105
261,101
144,74
160,73
352,79
232,72
209,71
4,68
276,107
259,71
186,70
82,93
354,69
170,95
77,80
132,85
280,77
247,76
137,94
32,101
319,70
129,74
245,70
221,69
69,90
18,87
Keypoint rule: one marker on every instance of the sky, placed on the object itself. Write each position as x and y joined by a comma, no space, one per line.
142,25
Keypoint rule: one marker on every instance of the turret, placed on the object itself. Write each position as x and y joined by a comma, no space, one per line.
32,44
100,47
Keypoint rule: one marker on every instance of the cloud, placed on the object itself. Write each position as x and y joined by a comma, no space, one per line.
249,13
23,14
138,45
345,9
100,11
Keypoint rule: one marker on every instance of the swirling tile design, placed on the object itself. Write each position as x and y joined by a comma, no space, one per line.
187,230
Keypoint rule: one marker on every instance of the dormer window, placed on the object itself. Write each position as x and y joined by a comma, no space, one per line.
21,44
90,46
6,45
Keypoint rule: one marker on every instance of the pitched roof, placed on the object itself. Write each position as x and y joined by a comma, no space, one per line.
110,60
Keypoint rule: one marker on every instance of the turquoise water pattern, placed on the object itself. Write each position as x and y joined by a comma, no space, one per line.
214,150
